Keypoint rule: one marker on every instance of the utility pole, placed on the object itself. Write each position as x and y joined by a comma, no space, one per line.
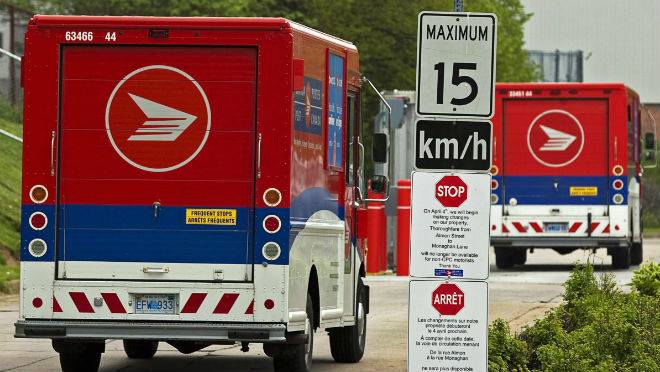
458,6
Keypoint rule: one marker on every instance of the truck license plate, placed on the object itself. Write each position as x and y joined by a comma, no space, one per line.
555,227
155,304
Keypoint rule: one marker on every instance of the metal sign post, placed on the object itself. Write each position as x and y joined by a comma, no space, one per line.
450,209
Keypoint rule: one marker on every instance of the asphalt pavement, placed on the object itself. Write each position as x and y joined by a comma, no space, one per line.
519,296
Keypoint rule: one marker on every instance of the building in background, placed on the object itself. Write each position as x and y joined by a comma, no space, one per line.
558,66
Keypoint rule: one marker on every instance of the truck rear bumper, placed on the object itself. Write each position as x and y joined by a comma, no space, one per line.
556,242
96,330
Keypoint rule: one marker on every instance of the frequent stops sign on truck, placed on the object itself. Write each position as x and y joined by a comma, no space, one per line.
450,225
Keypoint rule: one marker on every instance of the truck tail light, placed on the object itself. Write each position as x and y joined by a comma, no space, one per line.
38,194
494,199
37,248
617,198
272,197
271,251
617,184
38,221
617,170
272,224
494,184
494,170
269,304
37,302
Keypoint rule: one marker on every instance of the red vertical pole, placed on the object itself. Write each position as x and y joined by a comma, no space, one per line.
403,228
375,234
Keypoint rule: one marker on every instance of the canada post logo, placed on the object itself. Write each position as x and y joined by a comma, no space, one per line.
158,118
555,138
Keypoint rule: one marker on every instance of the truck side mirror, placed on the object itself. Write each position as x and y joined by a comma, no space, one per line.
378,184
379,149
649,141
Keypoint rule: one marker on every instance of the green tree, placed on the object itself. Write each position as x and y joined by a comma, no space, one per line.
383,31
188,8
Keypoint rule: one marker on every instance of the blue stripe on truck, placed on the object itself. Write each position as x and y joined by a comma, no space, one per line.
540,190
120,233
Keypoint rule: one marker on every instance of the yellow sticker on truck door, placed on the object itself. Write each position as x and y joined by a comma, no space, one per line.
584,191
210,216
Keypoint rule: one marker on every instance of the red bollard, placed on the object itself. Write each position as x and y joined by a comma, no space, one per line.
382,218
403,228
375,235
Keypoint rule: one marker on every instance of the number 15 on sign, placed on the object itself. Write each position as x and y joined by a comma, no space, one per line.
456,64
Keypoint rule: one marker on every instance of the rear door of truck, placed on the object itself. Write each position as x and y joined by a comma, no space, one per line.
555,157
156,163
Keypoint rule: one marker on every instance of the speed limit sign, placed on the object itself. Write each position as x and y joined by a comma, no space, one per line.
456,64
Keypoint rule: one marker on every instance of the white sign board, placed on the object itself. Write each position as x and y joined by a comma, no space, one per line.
450,225
448,326
456,64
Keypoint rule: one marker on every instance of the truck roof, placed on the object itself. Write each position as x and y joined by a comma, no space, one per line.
233,23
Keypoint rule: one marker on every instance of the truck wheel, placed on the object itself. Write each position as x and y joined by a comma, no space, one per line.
504,257
298,358
88,361
347,343
520,256
637,253
621,258
140,349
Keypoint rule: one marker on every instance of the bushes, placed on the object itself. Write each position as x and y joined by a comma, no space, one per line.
646,280
505,352
598,328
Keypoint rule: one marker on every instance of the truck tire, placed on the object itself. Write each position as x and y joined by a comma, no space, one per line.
88,361
504,257
140,349
298,358
637,253
621,258
520,256
347,343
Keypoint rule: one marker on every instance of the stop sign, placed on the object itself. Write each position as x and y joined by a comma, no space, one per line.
448,299
451,191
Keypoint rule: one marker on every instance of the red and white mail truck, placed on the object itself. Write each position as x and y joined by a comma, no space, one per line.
567,171
193,181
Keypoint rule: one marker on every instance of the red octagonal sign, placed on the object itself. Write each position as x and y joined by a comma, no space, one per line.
451,191
448,299
158,118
